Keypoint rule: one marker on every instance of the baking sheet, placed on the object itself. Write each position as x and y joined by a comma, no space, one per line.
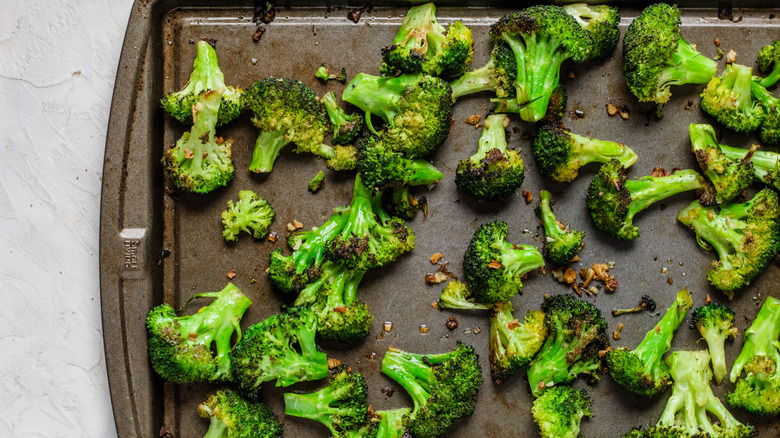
139,220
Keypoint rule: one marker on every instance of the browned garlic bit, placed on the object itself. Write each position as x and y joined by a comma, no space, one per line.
231,274
612,110
333,363
435,278
623,114
569,276
388,326
473,119
494,264
423,328
616,333
452,323
272,237
435,258
731,57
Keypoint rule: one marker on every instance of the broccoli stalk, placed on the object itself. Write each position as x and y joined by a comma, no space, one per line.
498,75
715,323
235,416
346,127
493,173
769,63
645,303
513,344
456,295
180,347
561,153
560,244
316,183
391,423
729,100
642,370
559,411
613,200
770,127
250,212
766,165
325,75
601,22
758,390
442,386
728,177
382,168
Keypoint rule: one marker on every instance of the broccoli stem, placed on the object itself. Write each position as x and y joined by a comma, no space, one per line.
551,228
267,148
739,78
378,95
589,150
762,94
766,165
714,233
554,366
206,74
338,117
761,339
314,406
475,81
771,78
418,27
493,137
411,373
316,241
520,258
648,190
423,173
391,423
687,66
658,341
217,429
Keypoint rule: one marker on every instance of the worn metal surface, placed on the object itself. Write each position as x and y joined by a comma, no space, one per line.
139,220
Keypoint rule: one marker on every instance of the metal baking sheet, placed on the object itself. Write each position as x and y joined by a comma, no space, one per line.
140,221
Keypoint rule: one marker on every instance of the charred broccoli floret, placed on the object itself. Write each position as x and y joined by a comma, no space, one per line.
769,63
498,75
346,127
383,168
323,73
560,244
601,22
559,411
766,165
402,204
456,295
512,343
251,212
729,178
233,416
770,127
715,323
729,100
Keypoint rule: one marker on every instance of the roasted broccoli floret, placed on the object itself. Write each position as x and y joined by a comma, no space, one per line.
642,370
340,406
560,153
645,303
424,45
769,63
601,22
613,199
498,75
493,173
729,100
443,387
250,212
281,348
456,295
729,178
770,127
766,165
494,267
689,409
560,244
417,110
402,204
201,162
233,416
746,237
577,332
758,389
656,56
512,343
715,323
323,73
316,183
180,347
206,76
383,168
559,411
391,423
346,127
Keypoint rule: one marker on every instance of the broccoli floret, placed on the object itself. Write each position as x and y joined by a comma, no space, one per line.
769,63
559,411
391,423
206,76
346,127
758,390
560,153
728,177
656,56
642,370
201,162
601,22
233,416
383,168
766,165
251,211
770,127
281,348
340,406
688,410
443,387
513,344
402,204
498,75
494,267
613,200
493,173
316,183
333,299
424,45
456,295
729,100
541,38
324,74
645,303
715,323
560,244
417,110
746,237
180,347
577,332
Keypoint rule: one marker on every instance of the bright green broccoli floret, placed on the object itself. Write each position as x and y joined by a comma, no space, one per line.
424,45
689,410
346,127
560,153
316,183
769,63
340,406
498,75
715,323
391,423
201,162
560,244
456,295
729,178
758,390
325,75
443,387
559,410
250,212
417,110
494,267
333,299
233,416
280,348
383,168
770,128
613,200
642,370
766,165
206,76
513,344
402,204
180,347
746,237
493,173
656,56
729,100
601,22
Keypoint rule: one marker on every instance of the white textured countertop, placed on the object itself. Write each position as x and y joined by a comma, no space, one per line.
57,70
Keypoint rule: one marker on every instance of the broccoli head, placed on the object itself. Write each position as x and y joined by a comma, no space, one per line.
746,237
559,410
601,22
383,168
642,370
729,100
443,387
513,344
769,63
770,127
560,243
613,199
346,127
280,348
560,153
493,173
250,212
766,165
494,267
233,416
715,323
656,56
498,75
456,295
196,348
729,177
324,74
